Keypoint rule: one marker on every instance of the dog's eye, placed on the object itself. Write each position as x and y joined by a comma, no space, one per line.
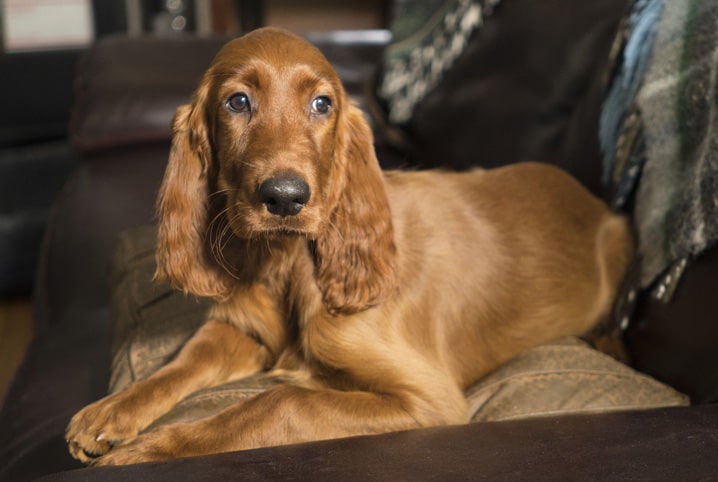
321,105
239,103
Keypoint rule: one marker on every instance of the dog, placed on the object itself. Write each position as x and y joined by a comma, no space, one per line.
379,297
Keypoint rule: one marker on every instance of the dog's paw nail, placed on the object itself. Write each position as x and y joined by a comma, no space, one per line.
90,455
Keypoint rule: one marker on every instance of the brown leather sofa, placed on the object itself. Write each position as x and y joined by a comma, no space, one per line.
127,90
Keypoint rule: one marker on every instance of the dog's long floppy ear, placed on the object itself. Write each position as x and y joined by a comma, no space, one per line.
182,206
356,256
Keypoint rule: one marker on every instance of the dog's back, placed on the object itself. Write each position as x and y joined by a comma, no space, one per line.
500,260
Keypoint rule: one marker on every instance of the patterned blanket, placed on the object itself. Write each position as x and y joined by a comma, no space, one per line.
658,134
428,36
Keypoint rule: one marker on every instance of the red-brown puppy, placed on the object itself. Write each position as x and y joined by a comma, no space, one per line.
379,296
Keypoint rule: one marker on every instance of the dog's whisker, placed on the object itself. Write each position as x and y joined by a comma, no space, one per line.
220,237
222,191
221,250
331,225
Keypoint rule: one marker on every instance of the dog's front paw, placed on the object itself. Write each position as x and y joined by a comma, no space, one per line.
95,429
162,443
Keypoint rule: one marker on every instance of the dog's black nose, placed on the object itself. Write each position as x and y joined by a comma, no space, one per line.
284,196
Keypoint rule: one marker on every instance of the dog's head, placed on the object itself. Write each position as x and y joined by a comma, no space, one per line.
271,146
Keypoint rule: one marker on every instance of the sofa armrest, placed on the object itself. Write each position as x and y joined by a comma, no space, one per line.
127,88
663,444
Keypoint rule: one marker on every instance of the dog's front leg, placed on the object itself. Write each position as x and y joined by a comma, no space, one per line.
283,415
216,353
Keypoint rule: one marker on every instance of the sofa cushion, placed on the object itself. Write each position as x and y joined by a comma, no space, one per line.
152,321
565,376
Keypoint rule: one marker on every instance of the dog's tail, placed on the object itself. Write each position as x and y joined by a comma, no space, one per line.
615,252
614,248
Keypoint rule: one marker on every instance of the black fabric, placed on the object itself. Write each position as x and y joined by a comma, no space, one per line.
677,342
527,87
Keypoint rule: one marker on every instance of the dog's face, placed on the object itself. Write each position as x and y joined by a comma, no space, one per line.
271,147
273,107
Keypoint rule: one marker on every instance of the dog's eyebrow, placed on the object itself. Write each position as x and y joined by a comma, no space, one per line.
307,78
248,73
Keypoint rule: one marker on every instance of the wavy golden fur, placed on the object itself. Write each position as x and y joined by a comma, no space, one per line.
379,296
